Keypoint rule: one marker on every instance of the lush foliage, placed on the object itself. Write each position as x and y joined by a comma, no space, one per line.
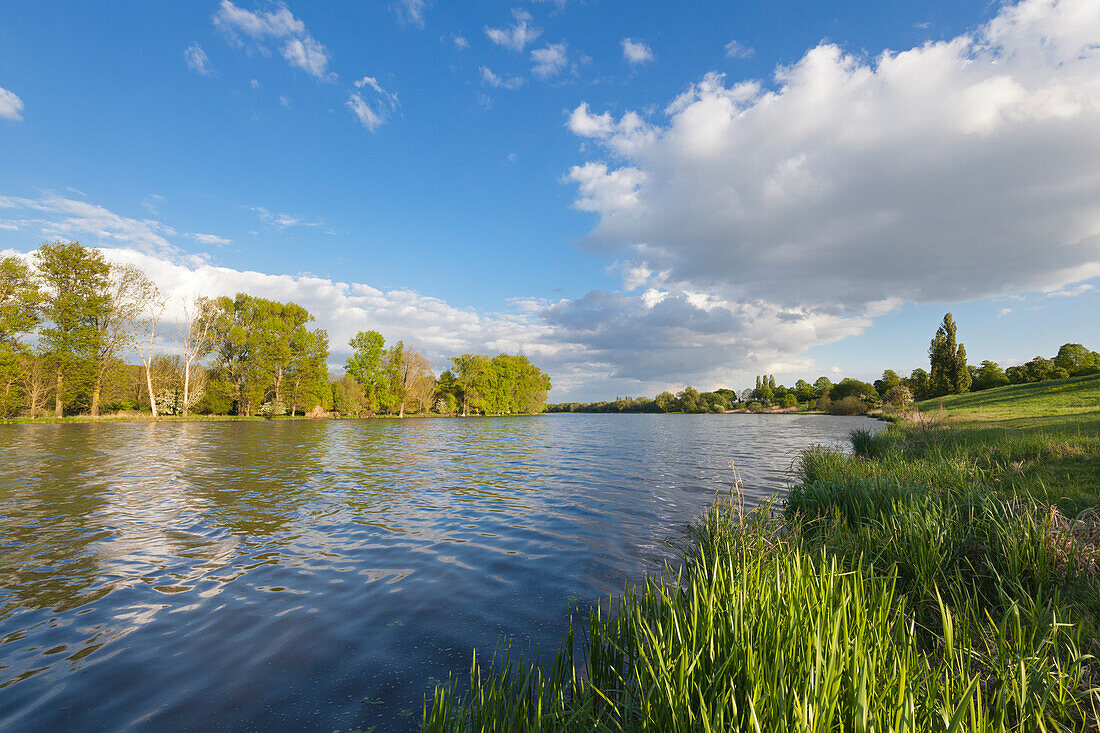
69,318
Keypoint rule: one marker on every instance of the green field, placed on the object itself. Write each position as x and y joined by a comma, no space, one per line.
944,576
1042,439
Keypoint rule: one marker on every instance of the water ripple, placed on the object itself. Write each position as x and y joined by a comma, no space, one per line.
326,575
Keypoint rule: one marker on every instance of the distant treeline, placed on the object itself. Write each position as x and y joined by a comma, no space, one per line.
948,373
69,318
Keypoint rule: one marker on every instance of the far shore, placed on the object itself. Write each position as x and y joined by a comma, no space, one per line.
148,418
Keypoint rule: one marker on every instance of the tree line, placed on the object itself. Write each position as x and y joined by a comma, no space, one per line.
69,319
948,373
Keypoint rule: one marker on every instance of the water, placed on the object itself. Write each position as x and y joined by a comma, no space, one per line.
326,575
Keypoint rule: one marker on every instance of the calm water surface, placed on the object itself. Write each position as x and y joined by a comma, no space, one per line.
326,575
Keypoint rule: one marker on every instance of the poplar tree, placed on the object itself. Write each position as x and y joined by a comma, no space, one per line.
947,359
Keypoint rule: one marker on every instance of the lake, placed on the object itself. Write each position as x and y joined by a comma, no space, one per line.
326,575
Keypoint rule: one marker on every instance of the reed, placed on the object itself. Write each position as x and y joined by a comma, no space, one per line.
900,588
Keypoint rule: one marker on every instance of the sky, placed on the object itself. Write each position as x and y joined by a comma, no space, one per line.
637,195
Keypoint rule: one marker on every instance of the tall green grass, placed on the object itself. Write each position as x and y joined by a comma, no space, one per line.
898,588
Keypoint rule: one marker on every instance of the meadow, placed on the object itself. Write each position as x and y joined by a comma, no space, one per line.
944,575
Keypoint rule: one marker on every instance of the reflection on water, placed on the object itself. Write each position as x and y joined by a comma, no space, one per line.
326,575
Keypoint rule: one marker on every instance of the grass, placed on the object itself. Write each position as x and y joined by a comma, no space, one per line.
938,578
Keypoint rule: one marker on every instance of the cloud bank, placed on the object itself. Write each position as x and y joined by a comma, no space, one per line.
950,171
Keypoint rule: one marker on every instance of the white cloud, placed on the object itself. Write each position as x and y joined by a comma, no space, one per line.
300,48
411,12
197,60
738,50
600,344
150,203
307,54
1003,312
210,239
284,100
951,171
1070,292
254,83
636,52
53,216
549,60
487,76
460,42
11,106
282,220
518,35
367,116
606,191
372,114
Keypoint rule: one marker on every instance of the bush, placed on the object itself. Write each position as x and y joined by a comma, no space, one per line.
848,406
755,406
272,409
899,397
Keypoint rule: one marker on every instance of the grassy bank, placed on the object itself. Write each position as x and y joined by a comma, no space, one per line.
942,578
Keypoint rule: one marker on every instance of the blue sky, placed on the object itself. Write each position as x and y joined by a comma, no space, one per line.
598,184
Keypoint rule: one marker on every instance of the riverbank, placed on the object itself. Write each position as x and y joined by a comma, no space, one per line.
944,576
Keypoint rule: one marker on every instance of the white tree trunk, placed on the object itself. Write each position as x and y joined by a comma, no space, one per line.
149,384
186,386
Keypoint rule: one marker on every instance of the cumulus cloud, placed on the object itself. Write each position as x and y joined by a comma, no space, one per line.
549,60
11,106
197,60
950,171
667,337
516,36
488,77
637,52
299,48
602,343
460,42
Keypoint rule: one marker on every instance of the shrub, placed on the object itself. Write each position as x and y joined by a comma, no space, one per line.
851,405
867,444
899,397
755,406
272,409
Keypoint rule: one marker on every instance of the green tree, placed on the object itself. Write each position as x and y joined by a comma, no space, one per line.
365,366
237,338
849,387
76,282
888,380
20,300
804,391
823,385
665,401
307,372
920,384
987,376
471,373
947,358
1076,359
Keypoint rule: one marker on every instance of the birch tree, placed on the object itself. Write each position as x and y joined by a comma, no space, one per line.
145,332
196,332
